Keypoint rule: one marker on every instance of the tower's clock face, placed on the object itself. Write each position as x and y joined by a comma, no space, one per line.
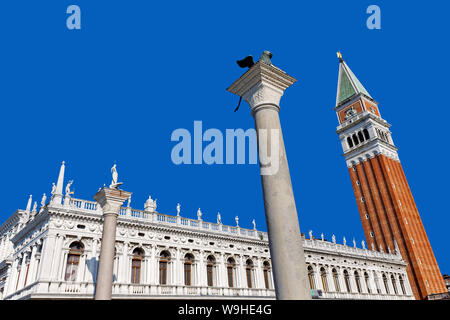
350,112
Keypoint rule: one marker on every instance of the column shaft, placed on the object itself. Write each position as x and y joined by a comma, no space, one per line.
286,247
106,264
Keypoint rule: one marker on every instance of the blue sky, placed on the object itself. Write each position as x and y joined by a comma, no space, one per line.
137,70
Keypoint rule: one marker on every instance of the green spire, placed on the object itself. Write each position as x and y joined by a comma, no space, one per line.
348,84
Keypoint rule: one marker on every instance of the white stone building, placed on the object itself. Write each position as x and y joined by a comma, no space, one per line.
52,253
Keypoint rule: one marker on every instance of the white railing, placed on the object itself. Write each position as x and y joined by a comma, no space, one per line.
154,217
364,296
64,289
83,204
336,248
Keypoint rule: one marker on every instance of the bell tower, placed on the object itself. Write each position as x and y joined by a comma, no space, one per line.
386,206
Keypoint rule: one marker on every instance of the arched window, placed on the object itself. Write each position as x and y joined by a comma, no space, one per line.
358,281
347,281
336,280
136,264
73,261
249,272
266,272
386,286
366,279
210,262
323,276
350,142
355,139
188,260
312,284
164,259
394,285
230,272
366,134
402,284
360,136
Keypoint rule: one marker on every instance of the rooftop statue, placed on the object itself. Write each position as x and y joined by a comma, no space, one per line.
254,224
199,214
44,200
219,218
178,209
150,204
68,192
115,176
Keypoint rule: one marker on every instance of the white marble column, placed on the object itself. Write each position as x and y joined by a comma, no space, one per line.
319,284
222,271
362,281
391,286
353,281
178,268
31,275
373,286
123,269
2,248
23,270
381,282
257,271
55,272
9,273
81,268
330,280
407,284
93,261
262,87
242,274
48,252
60,274
201,269
153,266
10,287
110,200
341,279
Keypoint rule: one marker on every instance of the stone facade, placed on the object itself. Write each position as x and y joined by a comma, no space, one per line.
36,258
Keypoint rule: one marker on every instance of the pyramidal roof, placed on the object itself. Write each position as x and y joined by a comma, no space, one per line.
348,84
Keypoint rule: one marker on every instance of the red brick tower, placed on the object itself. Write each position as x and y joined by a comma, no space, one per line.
388,213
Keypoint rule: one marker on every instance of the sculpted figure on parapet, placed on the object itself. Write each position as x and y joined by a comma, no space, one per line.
115,176
68,192
150,204
219,218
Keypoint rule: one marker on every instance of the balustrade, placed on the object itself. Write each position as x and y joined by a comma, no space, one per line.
91,207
